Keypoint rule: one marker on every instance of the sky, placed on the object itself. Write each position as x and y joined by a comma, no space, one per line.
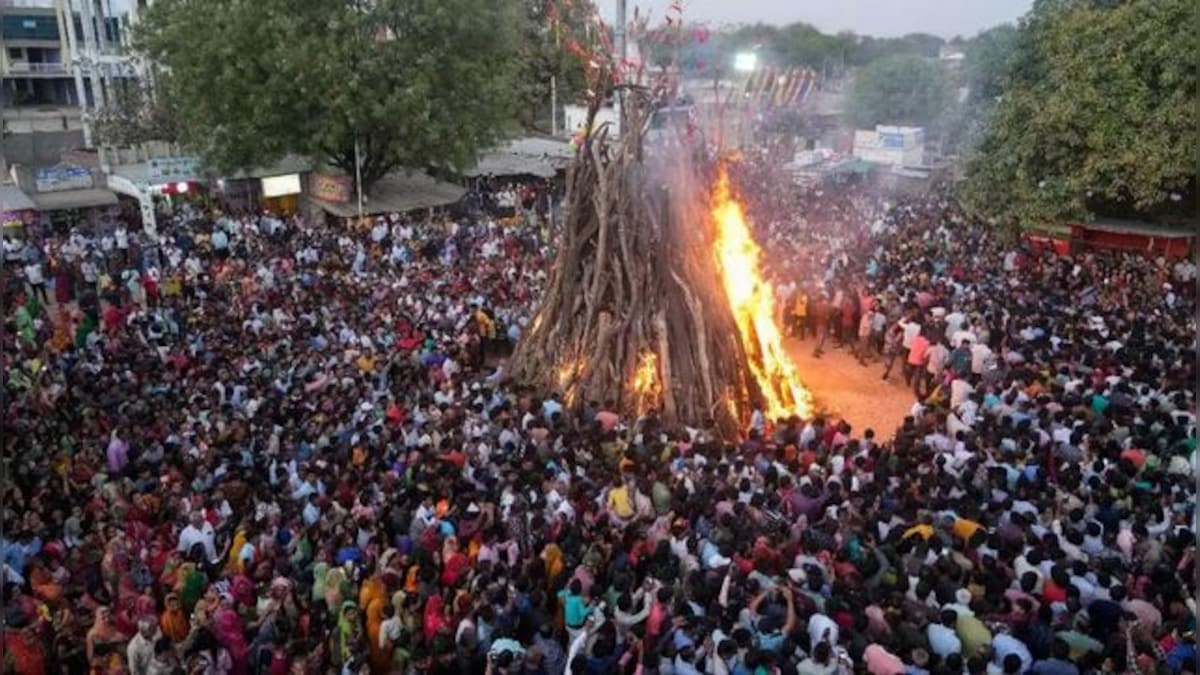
880,18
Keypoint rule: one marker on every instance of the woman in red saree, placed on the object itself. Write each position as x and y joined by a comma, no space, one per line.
227,627
435,617
64,281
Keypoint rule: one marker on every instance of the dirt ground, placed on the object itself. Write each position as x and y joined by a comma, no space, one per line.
842,387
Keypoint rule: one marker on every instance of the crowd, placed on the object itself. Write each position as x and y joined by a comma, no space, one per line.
258,445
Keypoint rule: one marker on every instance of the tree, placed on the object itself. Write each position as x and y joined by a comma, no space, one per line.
136,113
1097,106
542,56
411,83
902,90
987,63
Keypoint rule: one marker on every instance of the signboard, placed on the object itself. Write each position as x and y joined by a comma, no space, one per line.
329,188
278,186
59,178
172,169
866,139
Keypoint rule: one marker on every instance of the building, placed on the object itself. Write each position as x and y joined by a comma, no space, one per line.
60,60
889,145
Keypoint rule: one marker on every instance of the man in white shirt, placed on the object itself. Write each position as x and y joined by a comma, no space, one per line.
37,281
198,532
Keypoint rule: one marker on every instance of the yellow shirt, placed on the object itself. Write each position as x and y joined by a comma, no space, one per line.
965,529
923,531
620,503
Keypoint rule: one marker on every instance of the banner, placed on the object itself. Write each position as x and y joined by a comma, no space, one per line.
329,188
172,169
59,178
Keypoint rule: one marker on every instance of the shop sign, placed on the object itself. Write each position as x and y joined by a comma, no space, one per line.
172,169
59,178
329,188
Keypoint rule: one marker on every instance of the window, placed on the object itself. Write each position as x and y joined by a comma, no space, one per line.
16,53
18,27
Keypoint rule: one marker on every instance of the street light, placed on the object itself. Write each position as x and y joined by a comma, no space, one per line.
745,62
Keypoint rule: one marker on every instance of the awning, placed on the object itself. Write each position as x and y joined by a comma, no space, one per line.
533,155
399,193
73,199
1144,229
12,198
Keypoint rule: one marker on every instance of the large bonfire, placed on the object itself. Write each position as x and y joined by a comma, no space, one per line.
656,300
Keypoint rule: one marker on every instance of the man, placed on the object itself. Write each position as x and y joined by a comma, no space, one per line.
36,280
892,347
199,532
140,651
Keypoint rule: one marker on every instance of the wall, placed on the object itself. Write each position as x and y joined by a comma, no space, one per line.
39,149
575,116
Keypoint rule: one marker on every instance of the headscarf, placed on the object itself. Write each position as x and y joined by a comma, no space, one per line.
191,585
345,632
320,579
227,627
435,619
173,621
334,580
555,564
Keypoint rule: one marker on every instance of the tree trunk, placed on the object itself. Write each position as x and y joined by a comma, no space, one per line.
635,311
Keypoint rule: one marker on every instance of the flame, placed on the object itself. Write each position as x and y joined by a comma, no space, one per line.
568,372
752,300
646,382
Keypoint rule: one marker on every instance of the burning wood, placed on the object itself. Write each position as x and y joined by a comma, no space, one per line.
656,300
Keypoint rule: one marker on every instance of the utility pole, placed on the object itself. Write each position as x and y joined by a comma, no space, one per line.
620,31
358,179
553,105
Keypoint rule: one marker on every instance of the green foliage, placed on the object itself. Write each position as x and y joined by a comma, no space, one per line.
543,56
987,63
1097,105
415,82
902,90
134,114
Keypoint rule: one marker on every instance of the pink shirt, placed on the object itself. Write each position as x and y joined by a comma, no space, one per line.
882,662
916,353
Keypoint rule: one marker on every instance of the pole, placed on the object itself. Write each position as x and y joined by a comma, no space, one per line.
621,54
553,105
358,178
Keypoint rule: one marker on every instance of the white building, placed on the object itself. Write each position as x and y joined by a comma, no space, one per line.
890,145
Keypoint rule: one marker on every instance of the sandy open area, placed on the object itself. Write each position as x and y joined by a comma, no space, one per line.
842,387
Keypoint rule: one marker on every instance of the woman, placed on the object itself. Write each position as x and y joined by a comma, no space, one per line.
335,583
174,621
227,627
346,641
105,644
320,580
375,600
190,583
64,281
434,618
45,585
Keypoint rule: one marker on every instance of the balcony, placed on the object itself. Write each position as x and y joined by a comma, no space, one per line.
34,69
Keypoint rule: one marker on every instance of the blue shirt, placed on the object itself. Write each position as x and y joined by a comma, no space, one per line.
1055,667
574,610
